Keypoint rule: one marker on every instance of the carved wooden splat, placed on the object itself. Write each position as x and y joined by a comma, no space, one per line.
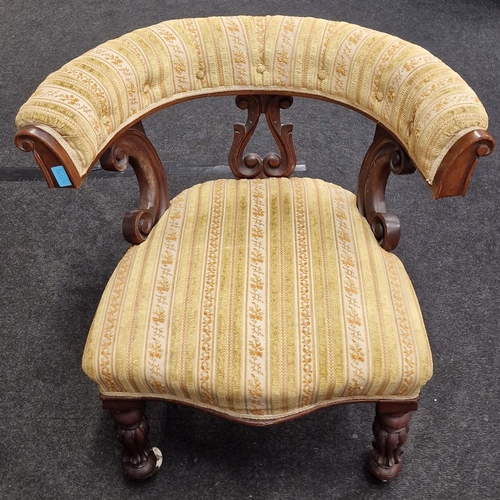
252,165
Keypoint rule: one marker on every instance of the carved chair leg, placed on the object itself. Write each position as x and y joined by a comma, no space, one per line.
139,459
390,430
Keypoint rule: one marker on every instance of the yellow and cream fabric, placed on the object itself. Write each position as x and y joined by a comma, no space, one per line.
415,95
260,299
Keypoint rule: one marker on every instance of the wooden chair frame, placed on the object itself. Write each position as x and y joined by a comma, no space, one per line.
92,110
385,155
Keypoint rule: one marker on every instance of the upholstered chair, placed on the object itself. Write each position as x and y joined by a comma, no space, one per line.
265,297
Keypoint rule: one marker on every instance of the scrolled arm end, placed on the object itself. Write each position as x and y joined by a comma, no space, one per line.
48,153
453,175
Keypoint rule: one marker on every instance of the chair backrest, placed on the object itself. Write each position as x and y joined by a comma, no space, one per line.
86,104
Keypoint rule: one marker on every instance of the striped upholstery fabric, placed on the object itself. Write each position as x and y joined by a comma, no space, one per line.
261,299
425,104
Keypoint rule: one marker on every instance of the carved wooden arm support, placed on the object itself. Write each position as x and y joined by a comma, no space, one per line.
385,155
134,148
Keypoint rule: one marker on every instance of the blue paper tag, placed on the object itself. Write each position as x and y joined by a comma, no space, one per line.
61,176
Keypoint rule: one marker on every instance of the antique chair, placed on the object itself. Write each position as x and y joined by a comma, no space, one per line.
263,298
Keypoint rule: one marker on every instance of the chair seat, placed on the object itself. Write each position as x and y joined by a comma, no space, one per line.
259,299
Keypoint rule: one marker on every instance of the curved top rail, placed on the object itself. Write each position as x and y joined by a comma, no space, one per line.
86,104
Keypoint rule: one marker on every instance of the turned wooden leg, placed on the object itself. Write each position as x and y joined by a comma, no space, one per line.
390,429
139,460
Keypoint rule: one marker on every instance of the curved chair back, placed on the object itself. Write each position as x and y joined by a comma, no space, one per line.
91,100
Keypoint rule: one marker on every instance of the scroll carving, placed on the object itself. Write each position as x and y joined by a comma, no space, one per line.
252,165
47,153
139,460
454,174
384,156
134,148
390,431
